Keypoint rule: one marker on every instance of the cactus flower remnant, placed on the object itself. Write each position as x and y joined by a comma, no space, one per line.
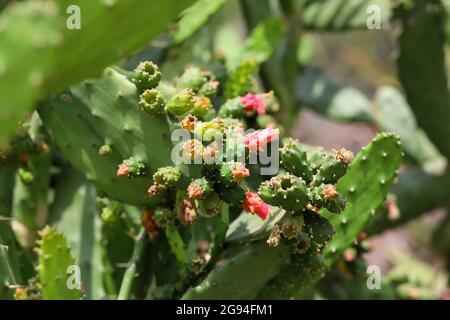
255,205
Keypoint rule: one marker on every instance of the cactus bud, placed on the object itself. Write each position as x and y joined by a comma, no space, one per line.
232,108
343,155
211,153
241,80
326,196
209,89
255,205
286,191
131,168
25,176
208,131
239,172
149,224
21,293
232,173
257,140
193,78
202,105
254,103
152,102
181,103
147,76
164,217
111,212
186,212
154,190
192,149
188,123
105,150
167,177
199,189
294,160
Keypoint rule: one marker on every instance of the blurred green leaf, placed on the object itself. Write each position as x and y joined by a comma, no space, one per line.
40,55
335,15
332,99
195,17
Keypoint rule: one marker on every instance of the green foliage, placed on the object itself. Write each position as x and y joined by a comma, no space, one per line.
332,99
63,56
421,65
125,220
54,262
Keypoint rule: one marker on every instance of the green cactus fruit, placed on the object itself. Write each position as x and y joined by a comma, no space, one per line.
232,108
57,270
209,131
167,177
326,196
181,103
131,168
232,173
209,89
333,167
202,107
294,160
164,217
210,206
286,191
25,176
112,212
199,189
292,226
105,150
241,80
152,102
194,78
319,230
147,76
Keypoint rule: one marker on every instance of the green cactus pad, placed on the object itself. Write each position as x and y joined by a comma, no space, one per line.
241,275
55,261
105,111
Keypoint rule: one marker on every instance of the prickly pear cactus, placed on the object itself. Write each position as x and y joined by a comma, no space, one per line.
57,279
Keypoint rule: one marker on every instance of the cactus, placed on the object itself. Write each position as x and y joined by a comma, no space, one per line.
54,262
153,176
428,89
